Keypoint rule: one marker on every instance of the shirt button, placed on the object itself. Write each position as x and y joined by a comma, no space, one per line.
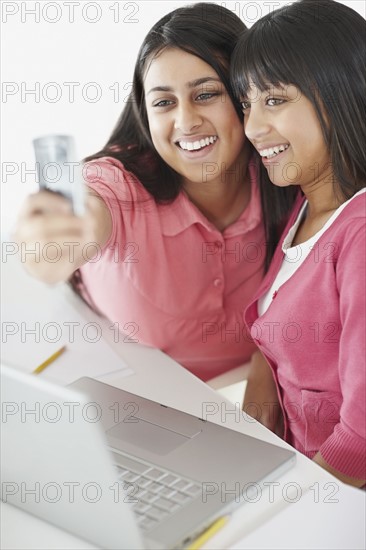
217,282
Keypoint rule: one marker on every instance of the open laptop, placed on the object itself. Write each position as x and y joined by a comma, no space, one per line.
166,476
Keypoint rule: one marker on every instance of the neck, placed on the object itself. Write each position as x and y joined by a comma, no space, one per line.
322,203
321,197
223,199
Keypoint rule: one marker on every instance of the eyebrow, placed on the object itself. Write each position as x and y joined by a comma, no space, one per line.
191,84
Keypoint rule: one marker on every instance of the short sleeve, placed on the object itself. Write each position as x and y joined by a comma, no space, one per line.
121,191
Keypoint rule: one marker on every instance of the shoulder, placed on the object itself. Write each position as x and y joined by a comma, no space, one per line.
352,220
108,175
344,243
356,206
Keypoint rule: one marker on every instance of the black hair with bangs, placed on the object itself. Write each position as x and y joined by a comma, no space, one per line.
319,46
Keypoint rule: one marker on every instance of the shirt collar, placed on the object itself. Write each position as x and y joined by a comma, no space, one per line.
182,213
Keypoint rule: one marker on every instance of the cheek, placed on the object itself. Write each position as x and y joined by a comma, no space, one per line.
155,123
153,126
235,122
157,134
224,118
234,128
239,129
238,137
307,129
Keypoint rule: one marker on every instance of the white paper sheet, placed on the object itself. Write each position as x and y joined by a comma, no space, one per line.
37,320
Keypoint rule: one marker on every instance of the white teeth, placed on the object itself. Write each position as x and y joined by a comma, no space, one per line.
196,145
273,151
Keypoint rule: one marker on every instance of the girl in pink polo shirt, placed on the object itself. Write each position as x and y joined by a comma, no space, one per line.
300,75
174,207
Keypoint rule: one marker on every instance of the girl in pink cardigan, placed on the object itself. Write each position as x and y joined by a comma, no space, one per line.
300,76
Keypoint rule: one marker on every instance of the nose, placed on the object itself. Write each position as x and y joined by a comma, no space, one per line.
256,124
187,117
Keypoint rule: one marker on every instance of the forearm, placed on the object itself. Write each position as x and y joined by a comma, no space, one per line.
261,398
345,479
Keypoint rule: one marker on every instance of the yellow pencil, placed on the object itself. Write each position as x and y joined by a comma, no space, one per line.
210,532
50,360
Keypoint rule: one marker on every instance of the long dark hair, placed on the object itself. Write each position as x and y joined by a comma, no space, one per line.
210,32
320,47
207,31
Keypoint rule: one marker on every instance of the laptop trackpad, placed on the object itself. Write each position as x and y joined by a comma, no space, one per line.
145,435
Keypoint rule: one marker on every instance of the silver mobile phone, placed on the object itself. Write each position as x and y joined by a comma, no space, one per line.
58,170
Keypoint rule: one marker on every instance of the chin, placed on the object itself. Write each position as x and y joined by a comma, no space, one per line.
282,183
279,180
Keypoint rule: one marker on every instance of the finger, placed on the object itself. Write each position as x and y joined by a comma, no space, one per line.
46,227
45,202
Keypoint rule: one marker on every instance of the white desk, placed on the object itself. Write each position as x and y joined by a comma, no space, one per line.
316,520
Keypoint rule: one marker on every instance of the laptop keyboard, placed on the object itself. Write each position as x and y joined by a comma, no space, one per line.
154,493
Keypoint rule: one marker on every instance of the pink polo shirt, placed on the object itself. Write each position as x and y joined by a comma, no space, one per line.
168,278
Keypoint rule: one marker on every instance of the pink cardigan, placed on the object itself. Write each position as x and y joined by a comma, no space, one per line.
314,338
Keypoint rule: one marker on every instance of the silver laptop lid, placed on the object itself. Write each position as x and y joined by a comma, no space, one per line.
81,497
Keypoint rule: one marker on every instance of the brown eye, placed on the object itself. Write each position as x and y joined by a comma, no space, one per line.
163,103
273,101
206,96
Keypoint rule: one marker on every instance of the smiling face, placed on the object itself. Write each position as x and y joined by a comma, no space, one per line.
284,128
193,123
